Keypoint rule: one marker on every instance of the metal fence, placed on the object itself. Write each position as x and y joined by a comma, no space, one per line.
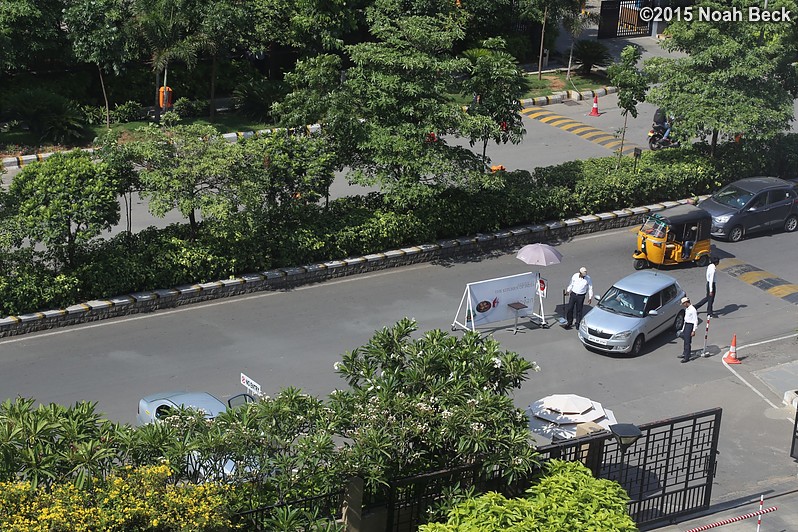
621,18
326,506
668,472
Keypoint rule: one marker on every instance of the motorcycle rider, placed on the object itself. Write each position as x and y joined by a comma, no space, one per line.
662,120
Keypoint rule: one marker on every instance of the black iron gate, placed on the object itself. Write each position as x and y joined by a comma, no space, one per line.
621,18
668,472
794,448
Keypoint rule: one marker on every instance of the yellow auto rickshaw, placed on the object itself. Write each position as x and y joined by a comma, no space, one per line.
675,235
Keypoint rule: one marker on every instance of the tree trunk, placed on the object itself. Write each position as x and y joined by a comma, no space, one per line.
192,220
714,143
105,98
128,210
214,64
485,154
623,137
157,93
542,35
570,59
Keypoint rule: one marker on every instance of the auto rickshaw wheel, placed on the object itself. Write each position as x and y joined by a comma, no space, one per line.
641,264
703,260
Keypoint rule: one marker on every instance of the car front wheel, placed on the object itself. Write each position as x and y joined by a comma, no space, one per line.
637,346
678,323
791,223
736,233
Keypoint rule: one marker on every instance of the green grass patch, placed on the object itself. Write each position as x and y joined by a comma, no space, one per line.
556,82
551,83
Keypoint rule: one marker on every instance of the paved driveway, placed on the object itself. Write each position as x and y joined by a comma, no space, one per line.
294,337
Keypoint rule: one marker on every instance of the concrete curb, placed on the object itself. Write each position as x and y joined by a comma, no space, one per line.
559,97
281,278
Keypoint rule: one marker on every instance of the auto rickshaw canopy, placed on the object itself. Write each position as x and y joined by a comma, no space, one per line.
683,219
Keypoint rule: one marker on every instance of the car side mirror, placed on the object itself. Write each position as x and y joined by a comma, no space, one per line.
240,400
653,313
597,298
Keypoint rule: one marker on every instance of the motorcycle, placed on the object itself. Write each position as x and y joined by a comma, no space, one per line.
656,140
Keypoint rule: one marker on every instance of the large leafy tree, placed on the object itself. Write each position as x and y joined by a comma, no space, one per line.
98,32
29,30
184,168
62,202
308,27
317,97
632,85
736,76
400,86
276,179
497,85
223,24
169,32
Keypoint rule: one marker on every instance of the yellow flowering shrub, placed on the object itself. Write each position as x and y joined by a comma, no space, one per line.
132,500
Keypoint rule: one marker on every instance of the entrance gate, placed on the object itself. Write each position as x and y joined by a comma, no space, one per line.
667,473
621,18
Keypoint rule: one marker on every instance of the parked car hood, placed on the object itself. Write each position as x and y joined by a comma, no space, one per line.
716,209
610,322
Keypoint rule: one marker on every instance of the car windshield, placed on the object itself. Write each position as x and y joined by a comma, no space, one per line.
732,196
654,227
622,302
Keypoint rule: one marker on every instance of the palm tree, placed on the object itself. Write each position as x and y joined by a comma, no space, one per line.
166,28
575,23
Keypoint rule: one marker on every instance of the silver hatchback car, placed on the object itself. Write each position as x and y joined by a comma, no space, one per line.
159,405
634,310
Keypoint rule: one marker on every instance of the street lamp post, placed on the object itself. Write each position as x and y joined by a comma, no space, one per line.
626,434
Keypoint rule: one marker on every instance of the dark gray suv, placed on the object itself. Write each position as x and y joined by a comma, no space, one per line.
752,204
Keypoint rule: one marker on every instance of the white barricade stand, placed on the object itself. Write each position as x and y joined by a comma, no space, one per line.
500,299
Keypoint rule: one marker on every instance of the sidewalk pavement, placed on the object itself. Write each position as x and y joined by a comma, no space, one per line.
768,371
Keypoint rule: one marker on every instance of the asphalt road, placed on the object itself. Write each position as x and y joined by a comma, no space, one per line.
293,338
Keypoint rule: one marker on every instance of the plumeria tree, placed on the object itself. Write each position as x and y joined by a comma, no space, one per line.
439,401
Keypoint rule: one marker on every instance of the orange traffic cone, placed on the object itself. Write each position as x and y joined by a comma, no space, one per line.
731,355
594,111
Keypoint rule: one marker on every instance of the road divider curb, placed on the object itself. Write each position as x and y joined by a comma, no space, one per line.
282,278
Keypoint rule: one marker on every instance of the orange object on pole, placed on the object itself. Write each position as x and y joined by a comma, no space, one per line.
731,355
594,111
165,96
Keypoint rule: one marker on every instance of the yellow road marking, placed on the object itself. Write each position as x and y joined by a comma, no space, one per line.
752,277
593,136
725,264
783,290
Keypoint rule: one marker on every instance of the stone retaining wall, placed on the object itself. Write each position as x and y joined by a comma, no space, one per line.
139,302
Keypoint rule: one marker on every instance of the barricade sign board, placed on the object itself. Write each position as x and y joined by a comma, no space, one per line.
485,302
251,385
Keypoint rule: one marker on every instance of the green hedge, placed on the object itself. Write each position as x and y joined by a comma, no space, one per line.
358,225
